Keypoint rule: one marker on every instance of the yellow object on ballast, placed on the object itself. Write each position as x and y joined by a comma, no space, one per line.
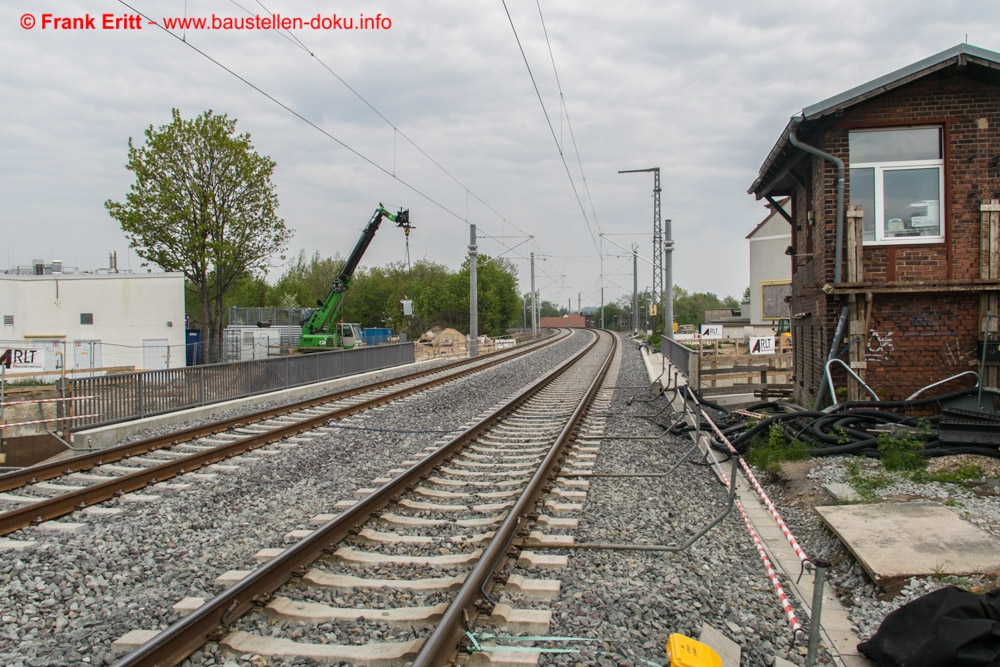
685,652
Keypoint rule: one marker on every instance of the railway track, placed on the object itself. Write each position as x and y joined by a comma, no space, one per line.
47,491
402,574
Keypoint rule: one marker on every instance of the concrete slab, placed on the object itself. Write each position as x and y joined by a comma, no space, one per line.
133,640
103,511
15,545
188,605
842,493
727,650
61,527
898,540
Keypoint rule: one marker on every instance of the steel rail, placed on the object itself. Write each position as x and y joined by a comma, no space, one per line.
211,620
92,494
46,471
442,646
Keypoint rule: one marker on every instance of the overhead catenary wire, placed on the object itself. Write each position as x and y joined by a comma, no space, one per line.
388,172
395,128
569,125
548,120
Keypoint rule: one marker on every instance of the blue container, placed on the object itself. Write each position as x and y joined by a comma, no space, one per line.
376,335
193,347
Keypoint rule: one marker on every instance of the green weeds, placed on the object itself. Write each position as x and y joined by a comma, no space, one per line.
769,454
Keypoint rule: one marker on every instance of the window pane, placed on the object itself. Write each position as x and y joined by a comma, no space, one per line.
863,193
912,202
923,143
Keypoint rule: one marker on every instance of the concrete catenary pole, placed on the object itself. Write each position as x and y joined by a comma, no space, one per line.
668,282
534,309
473,296
635,291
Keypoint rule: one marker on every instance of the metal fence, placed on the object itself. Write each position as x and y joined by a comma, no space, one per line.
116,398
685,359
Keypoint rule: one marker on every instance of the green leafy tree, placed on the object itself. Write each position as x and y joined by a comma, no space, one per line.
202,204
306,281
690,308
549,309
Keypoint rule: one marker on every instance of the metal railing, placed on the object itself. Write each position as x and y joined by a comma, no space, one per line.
115,398
680,356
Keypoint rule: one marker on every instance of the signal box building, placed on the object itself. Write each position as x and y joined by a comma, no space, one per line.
907,259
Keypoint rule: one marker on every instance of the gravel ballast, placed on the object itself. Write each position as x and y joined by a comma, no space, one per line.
68,597
71,595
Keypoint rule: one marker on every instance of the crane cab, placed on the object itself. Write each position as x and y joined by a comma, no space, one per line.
349,335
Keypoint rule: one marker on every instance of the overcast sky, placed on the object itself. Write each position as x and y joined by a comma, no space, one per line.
700,89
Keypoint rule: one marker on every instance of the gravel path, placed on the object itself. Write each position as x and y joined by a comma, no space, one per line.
631,601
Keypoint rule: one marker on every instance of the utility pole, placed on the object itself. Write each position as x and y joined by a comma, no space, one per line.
473,296
635,291
668,284
602,307
658,282
534,309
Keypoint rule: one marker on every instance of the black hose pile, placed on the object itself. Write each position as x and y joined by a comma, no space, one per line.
853,428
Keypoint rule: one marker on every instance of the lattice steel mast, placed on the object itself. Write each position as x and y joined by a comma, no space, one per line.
657,246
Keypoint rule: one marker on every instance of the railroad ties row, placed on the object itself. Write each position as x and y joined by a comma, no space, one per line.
372,598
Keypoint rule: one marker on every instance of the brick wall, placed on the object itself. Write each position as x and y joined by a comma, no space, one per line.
932,334
914,341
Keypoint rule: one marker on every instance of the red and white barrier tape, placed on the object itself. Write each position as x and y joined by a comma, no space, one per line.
45,421
771,574
771,509
46,400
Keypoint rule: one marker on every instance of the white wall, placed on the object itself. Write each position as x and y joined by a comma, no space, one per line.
127,309
768,261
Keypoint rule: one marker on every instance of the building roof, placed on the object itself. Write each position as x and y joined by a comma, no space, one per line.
973,59
772,212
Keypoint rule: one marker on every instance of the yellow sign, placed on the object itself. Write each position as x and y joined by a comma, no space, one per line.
652,310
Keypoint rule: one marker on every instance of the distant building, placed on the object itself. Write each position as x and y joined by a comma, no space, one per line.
574,320
93,320
907,260
770,270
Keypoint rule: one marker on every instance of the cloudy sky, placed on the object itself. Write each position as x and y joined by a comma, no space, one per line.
444,119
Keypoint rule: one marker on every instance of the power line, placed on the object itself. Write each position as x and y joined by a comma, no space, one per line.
391,124
295,113
565,110
548,120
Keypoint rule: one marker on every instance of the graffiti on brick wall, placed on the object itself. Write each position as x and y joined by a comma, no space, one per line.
880,345
917,320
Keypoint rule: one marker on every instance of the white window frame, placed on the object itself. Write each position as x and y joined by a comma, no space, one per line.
880,168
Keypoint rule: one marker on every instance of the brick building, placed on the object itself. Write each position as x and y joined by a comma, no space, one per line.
906,260
575,320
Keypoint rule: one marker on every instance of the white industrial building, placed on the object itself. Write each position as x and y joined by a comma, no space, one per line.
93,320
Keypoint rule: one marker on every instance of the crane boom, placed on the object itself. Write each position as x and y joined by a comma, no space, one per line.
317,331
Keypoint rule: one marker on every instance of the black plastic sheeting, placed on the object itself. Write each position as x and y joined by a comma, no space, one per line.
947,628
